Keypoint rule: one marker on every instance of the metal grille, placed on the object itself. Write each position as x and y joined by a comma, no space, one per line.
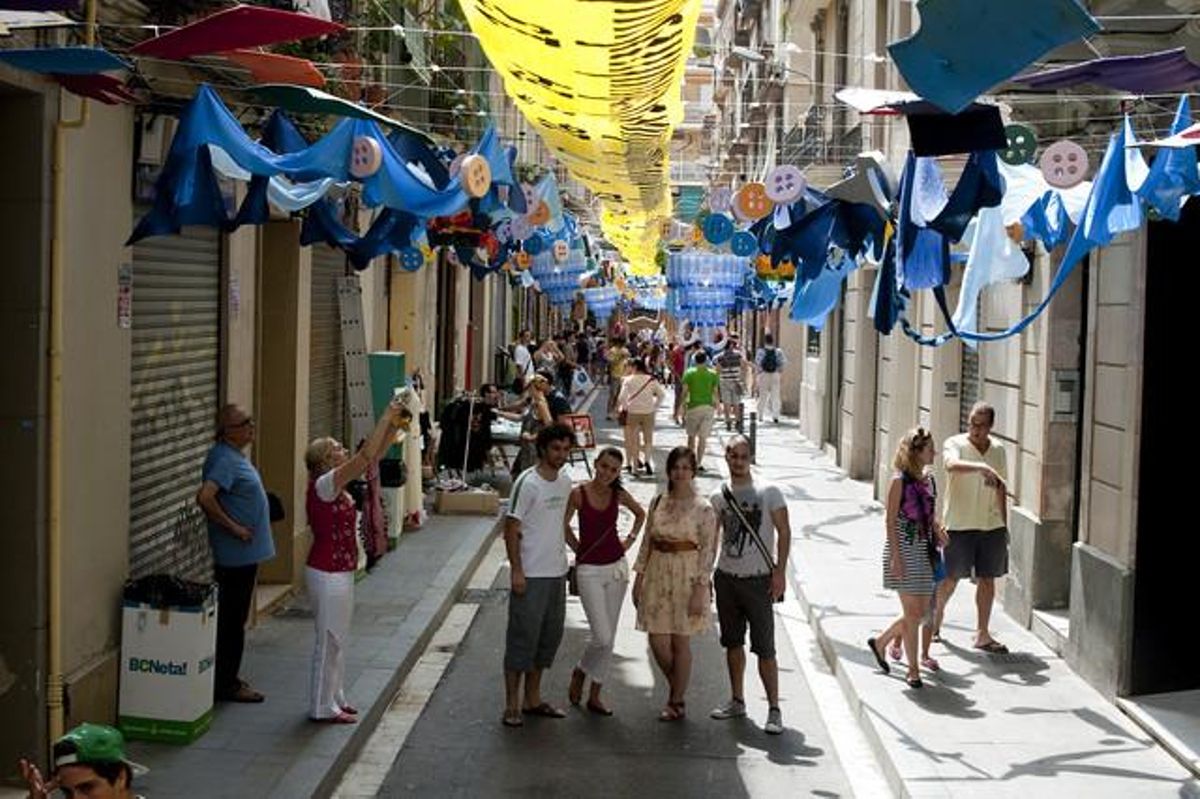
327,373
174,388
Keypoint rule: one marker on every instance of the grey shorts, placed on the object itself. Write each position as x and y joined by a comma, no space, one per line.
978,553
742,601
535,624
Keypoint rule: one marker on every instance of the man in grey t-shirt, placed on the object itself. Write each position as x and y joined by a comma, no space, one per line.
748,579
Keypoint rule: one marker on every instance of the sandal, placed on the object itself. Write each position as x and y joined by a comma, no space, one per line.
353,711
575,691
339,718
599,708
512,718
883,664
545,710
993,648
674,711
914,682
244,694
931,664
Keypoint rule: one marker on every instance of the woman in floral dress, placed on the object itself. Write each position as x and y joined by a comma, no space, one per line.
674,569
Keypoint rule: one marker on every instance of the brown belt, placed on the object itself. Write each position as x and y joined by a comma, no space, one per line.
666,545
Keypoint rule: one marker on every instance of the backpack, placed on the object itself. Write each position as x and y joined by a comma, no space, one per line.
770,361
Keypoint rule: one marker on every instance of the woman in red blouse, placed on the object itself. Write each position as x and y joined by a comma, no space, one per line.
333,559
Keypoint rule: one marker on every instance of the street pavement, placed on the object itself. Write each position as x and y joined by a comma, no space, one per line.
459,748
1021,725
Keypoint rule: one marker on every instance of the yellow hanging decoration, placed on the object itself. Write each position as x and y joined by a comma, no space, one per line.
601,84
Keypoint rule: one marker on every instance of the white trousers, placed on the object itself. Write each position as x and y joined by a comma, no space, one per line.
332,598
602,592
769,398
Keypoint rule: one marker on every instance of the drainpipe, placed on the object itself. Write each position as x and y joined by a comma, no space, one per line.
54,668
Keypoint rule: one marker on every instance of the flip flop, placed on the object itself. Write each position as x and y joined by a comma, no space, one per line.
674,711
883,664
244,694
545,710
598,709
993,648
931,664
340,718
512,718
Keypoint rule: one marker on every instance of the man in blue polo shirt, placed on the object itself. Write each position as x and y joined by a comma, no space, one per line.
239,531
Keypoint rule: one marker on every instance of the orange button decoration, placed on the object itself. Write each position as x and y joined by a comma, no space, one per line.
751,202
540,214
476,176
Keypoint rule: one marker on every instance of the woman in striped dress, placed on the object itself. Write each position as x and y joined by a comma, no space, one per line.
914,531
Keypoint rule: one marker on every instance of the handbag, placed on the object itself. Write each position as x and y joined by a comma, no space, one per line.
623,414
572,574
732,502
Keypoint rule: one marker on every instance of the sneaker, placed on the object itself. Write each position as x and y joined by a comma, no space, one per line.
774,725
733,709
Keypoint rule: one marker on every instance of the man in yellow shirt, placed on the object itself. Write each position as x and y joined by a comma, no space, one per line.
976,518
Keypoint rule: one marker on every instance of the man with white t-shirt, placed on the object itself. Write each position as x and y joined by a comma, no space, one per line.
751,575
533,537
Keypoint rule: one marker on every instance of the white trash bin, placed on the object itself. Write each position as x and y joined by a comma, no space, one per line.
167,659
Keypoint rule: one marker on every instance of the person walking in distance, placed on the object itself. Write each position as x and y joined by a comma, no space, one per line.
976,519
674,571
733,372
637,403
239,530
533,538
913,531
768,365
751,575
601,571
699,398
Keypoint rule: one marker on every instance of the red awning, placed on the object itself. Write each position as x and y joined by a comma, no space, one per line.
234,29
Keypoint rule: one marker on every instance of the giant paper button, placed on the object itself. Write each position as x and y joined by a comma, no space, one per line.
751,202
1064,164
561,250
534,245
719,199
540,214
1022,145
531,196
476,175
785,184
718,228
411,259
366,156
743,243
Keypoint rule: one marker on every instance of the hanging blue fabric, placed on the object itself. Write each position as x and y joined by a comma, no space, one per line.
392,230
888,299
979,186
1047,221
1112,208
814,299
922,254
964,48
1174,174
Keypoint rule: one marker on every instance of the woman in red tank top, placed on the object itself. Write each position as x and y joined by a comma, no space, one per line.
600,568
333,559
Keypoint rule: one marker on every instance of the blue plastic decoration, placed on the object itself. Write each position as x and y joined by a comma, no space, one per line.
718,228
743,243
965,48
534,245
411,259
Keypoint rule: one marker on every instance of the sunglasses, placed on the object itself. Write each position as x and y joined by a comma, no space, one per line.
247,422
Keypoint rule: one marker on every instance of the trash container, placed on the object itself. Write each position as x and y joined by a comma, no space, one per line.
168,649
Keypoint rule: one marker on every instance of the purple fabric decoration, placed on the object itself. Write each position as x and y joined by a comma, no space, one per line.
1156,72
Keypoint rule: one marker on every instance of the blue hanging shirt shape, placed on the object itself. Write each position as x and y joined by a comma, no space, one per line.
1173,175
964,48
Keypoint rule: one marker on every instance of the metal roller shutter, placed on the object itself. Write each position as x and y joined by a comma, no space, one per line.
327,371
174,391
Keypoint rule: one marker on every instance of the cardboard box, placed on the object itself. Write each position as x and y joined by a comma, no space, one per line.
475,502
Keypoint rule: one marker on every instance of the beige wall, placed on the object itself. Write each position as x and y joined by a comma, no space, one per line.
239,297
95,389
413,324
856,449
1112,414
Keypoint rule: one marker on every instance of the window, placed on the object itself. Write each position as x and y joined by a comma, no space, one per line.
813,343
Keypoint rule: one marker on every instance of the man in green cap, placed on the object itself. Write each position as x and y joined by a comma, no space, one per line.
89,763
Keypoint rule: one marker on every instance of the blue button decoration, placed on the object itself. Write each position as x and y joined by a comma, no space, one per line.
534,245
718,228
743,243
411,259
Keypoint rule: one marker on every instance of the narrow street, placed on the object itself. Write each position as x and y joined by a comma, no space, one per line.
459,748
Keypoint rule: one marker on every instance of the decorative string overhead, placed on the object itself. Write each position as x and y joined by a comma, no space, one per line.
600,83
